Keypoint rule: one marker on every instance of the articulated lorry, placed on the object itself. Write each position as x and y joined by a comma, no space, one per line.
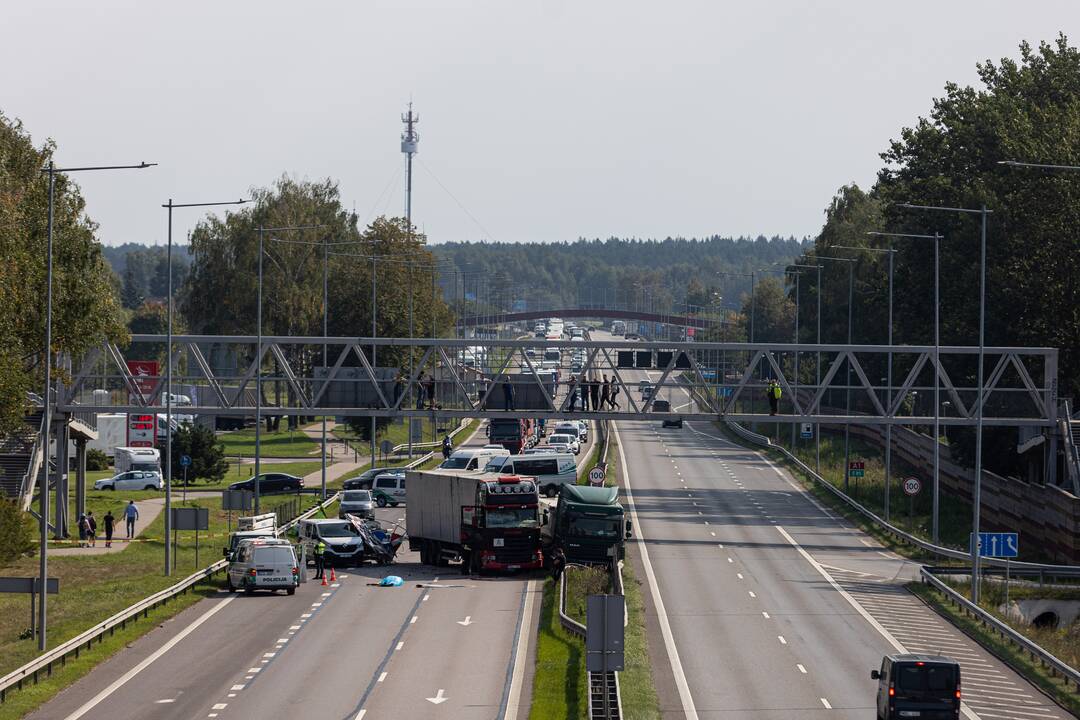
588,525
514,434
488,521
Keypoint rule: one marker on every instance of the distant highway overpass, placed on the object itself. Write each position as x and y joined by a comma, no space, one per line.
510,317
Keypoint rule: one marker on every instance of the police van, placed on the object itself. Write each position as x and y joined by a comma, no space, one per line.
263,564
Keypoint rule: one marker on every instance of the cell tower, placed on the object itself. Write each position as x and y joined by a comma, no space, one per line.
410,142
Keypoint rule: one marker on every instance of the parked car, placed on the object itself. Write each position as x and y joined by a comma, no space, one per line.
357,502
271,484
263,564
363,480
132,480
389,489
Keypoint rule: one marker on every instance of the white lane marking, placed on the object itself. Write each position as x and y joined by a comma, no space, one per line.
439,698
335,585
781,639
116,685
513,700
306,615
739,575
858,608
231,695
712,533
163,701
318,604
269,655
294,627
381,677
826,704
400,645
326,594
801,669
282,641
413,619
425,598
254,670
235,688
466,622
752,593
220,706
765,614
360,715
687,701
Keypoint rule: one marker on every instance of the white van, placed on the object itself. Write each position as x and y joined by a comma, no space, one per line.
264,564
344,546
551,470
472,458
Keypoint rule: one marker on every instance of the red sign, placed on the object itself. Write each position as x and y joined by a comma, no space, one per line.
141,430
689,332
145,373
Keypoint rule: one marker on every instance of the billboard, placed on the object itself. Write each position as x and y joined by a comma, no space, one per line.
145,374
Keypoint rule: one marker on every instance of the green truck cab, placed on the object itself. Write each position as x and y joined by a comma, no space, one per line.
589,524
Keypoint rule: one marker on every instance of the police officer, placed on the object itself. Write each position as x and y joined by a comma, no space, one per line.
320,559
774,391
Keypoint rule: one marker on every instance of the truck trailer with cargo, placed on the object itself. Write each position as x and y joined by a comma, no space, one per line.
488,521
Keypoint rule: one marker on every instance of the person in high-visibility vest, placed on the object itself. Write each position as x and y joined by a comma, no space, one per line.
774,392
320,559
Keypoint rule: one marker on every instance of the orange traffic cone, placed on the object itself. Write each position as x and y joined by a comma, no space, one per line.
324,583
333,577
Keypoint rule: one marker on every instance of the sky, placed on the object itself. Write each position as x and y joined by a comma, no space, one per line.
539,121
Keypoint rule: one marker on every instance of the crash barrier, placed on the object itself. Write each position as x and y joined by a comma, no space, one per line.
599,684
890,529
1035,652
44,663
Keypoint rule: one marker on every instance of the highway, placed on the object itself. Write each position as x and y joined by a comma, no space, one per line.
765,605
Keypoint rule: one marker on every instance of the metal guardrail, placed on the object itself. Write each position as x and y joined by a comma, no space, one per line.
889,528
1067,672
84,641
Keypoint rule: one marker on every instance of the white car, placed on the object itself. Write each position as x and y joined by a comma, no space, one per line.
567,440
556,447
133,480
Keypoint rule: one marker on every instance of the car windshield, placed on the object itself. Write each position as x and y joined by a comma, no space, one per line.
565,439
512,518
335,530
356,496
587,527
926,679
274,556
456,463
494,465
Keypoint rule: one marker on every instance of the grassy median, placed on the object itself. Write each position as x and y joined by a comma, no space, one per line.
95,587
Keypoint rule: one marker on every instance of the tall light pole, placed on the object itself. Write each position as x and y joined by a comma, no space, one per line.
46,421
976,499
170,559
936,490
817,370
259,349
847,382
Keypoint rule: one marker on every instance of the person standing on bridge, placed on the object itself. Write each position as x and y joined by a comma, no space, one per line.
614,394
594,391
585,385
605,392
571,393
420,392
774,392
508,394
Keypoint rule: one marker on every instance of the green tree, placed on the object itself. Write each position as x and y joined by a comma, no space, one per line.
15,532
86,309
206,451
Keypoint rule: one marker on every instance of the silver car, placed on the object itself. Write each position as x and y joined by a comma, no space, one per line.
132,480
356,502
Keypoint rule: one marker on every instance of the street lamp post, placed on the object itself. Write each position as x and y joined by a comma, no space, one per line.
46,421
936,490
847,382
817,369
259,351
170,558
977,491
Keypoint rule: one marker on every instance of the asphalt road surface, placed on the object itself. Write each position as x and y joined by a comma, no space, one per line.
441,646
768,606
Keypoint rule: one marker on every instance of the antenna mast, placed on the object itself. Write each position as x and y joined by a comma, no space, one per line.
410,142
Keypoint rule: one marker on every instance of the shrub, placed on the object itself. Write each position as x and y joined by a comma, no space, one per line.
96,460
15,532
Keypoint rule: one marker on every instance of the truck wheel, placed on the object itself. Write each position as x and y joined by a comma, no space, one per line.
551,491
290,591
424,552
229,585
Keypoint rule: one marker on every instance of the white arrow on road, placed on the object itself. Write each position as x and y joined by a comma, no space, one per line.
466,622
438,699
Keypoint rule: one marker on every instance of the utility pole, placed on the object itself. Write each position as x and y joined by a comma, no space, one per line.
410,142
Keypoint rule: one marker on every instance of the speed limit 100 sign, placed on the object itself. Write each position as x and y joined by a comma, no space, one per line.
597,476
912,485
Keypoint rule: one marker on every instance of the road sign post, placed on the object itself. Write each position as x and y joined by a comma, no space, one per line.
185,462
912,486
856,468
597,476
807,431
190,519
30,586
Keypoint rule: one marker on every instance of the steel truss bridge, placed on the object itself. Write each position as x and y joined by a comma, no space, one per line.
382,377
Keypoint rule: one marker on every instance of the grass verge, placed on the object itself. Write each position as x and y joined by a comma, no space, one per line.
1032,670
559,685
283,443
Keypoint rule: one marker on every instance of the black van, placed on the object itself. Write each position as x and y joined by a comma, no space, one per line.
918,686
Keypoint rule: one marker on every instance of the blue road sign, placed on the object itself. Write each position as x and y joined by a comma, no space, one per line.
1002,545
185,460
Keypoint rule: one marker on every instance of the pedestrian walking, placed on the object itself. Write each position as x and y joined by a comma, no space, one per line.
110,522
571,393
91,523
508,395
320,559
447,447
605,391
614,394
594,390
131,514
82,525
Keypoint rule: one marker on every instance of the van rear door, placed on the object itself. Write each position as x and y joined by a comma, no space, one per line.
925,687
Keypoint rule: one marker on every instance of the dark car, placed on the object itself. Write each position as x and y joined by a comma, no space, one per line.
922,686
271,484
364,480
